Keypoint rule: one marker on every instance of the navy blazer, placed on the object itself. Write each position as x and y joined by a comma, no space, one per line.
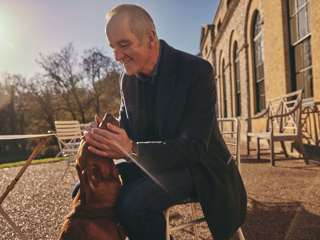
189,136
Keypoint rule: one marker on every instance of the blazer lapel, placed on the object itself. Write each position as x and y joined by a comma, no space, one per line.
165,93
129,91
166,80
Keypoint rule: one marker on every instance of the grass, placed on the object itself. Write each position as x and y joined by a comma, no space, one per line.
36,161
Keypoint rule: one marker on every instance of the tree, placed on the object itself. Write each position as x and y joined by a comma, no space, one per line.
14,110
68,89
14,91
96,66
61,68
44,95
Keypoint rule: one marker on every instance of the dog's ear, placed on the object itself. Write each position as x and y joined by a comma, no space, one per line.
109,118
97,119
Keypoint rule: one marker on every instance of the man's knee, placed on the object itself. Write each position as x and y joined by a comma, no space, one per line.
128,206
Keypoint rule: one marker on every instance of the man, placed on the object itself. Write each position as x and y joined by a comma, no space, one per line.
168,122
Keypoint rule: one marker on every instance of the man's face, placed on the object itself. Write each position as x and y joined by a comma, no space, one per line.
132,53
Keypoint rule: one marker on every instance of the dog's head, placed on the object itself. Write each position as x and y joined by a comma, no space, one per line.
99,180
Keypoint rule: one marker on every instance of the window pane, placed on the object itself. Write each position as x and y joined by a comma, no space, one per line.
260,96
293,29
300,81
258,51
261,51
237,54
262,102
300,3
259,66
298,55
261,88
307,17
225,112
262,48
238,104
308,87
304,81
307,56
237,71
303,56
237,87
299,29
259,73
302,23
257,25
292,7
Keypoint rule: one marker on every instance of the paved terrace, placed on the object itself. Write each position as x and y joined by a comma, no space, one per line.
283,201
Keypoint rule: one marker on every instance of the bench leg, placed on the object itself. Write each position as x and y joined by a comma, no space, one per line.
283,146
166,215
272,152
303,153
258,148
248,145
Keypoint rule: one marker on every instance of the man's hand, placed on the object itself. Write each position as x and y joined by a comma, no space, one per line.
113,143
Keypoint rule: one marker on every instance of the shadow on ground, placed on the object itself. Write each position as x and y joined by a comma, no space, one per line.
279,220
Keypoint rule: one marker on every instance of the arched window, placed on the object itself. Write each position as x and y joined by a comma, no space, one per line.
258,62
236,64
217,87
224,90
219,26
300,47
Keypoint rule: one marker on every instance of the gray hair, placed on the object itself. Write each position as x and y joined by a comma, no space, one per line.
140,20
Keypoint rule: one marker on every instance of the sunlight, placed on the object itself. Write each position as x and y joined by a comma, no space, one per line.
4,43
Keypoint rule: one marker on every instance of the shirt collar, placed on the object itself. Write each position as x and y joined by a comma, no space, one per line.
151,79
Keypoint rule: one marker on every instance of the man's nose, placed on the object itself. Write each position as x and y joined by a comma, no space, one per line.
118,55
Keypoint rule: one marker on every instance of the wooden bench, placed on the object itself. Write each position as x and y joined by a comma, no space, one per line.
283,123
68,135
310,128
230,131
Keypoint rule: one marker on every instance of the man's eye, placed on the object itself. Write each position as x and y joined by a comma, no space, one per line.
124,45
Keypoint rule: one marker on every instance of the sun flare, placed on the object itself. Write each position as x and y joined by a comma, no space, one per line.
4,42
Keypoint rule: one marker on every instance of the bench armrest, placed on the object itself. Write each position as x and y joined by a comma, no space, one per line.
259,115
298,105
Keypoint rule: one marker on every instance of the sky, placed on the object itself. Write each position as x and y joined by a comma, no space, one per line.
31,27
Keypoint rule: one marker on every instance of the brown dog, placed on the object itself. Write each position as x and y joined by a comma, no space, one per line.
93,214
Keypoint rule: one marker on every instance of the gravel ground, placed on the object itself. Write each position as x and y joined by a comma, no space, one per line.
283,201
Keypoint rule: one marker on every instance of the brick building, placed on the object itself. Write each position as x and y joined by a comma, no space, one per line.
262,49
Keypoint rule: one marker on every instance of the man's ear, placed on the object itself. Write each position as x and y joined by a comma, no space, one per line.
152,38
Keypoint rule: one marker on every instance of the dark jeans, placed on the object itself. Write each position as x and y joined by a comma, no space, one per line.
141,201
